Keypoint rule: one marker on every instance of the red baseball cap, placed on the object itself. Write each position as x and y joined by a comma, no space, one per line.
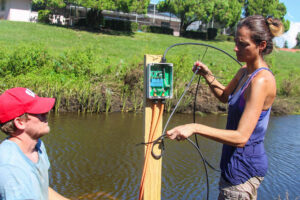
17,101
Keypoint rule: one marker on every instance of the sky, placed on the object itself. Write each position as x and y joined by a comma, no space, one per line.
293,10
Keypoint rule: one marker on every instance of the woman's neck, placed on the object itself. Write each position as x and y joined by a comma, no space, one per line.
254,65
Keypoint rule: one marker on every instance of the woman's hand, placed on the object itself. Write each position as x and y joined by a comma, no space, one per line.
202,68
181,132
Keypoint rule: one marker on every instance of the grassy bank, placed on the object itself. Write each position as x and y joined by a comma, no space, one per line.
96,72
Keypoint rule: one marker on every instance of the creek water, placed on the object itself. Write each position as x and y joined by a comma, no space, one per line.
96,157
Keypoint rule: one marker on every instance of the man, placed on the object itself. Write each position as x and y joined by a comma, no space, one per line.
24,162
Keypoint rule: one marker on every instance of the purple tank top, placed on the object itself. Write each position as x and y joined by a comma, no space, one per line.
240,164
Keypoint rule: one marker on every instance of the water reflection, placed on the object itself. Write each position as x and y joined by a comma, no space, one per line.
96,157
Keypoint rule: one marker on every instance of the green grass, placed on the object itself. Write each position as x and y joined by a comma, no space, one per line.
112,49
74,61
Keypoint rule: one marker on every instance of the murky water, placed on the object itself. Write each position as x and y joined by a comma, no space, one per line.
96,157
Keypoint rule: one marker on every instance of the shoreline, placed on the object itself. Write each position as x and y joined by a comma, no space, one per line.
133,102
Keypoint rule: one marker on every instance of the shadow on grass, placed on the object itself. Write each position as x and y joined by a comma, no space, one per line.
105,31
217,39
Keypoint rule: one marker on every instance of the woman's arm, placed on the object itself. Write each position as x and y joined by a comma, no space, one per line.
221,92
256,95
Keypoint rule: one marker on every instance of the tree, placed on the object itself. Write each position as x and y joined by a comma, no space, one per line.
227,12
135,6
286,44
97,6
267,8
188,11
94,16
298,41
138,6
49,4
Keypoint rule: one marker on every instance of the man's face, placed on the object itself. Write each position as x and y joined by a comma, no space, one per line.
37,125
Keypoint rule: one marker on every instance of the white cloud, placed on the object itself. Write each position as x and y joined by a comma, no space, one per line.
290,16
290,36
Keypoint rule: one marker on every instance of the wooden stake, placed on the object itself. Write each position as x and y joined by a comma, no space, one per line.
152,184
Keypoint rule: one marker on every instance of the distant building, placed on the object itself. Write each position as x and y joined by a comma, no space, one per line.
72,14
152,18
15,10
163,19
202,27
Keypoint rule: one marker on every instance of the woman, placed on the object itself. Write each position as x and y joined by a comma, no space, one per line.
250,95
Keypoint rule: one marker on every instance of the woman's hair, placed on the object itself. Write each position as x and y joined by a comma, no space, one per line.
262,29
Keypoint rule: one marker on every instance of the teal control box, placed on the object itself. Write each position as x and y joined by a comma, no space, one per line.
159,80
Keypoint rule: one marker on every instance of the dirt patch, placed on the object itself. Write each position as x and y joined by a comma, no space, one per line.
208,103
289,50
131,79
283,106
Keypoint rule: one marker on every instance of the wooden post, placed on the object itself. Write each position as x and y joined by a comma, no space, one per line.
152,184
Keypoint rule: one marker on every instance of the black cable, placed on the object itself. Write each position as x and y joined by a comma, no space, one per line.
205,168
196,144
195,100
163,61
201,44
194,118
160,140
194,113
194,109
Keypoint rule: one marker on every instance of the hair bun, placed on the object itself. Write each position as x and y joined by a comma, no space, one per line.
275,26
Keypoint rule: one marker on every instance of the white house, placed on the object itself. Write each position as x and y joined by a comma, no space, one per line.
15,10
